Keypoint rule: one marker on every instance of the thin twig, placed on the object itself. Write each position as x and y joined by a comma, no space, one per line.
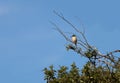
60,31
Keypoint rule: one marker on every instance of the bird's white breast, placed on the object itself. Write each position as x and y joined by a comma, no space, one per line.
74,39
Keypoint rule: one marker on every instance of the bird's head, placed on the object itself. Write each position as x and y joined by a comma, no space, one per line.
73,35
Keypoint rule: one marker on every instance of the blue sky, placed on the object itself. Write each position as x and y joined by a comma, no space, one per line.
28,43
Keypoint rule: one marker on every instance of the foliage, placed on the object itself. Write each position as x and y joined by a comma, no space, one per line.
88,74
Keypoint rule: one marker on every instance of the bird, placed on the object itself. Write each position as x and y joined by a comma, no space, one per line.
74,39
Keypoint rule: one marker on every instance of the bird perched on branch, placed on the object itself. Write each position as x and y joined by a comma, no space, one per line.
74,39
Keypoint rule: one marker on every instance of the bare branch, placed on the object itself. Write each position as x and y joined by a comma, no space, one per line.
115,51
60,31
62,17
81,24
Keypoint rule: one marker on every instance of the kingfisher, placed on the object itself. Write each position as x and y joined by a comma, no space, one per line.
74,39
